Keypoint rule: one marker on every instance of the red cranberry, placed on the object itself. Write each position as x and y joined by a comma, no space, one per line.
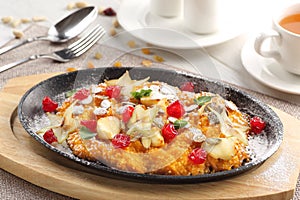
90,124
113,91
49,105
81,94
121,140
49,136
126,115
257,125
197,156
169,132
175,109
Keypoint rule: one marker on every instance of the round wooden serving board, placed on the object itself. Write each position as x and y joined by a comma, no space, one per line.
21,155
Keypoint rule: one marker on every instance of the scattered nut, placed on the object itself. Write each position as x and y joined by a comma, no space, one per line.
158,58
112,32
117,64
147,63
81,4
98,55
70,6
15,23
71,69
18,34
131,44
39,18
7,19
146,51
25,20
115,23
90,65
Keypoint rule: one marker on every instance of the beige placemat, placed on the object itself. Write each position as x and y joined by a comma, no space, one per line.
12,187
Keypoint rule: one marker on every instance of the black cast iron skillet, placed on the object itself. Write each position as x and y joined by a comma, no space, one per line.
263,145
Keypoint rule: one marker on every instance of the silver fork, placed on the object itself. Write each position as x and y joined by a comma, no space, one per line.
73,51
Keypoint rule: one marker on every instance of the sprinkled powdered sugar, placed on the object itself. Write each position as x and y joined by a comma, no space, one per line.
279,172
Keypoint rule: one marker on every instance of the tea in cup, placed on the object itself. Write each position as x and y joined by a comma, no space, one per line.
284,39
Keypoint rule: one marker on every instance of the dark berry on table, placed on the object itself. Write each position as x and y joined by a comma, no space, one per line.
109,12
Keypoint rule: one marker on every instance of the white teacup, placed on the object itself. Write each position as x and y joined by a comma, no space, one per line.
201,16
166,8
284,44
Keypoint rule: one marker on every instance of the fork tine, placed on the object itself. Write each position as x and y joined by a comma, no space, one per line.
75,44
88,44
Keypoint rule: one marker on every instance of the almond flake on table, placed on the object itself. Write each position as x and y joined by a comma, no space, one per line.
81,4
25,20
90,65
71,6
98,55
112,31
147,63
15,23
146,51
115,23
18,34
39,18
117,64
7,19
131,44
158,58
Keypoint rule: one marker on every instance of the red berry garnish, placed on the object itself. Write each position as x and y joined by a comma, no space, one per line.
113,91
121,140
257,125
49,136
175,109
187,86
81,94
127,113
90,124
197,156
49,105
169,132
109,12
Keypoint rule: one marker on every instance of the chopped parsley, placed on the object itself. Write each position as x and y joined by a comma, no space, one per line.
70,93
142,93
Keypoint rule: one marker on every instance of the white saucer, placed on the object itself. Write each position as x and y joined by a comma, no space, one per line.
134,16
268,71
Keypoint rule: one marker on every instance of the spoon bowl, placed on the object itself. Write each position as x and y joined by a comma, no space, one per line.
67,28
71,25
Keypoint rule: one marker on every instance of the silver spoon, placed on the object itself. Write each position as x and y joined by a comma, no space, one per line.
64,30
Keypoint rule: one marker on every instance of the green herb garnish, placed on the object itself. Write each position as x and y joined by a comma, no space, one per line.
180,124
85,133
200,101
70,93
142,93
